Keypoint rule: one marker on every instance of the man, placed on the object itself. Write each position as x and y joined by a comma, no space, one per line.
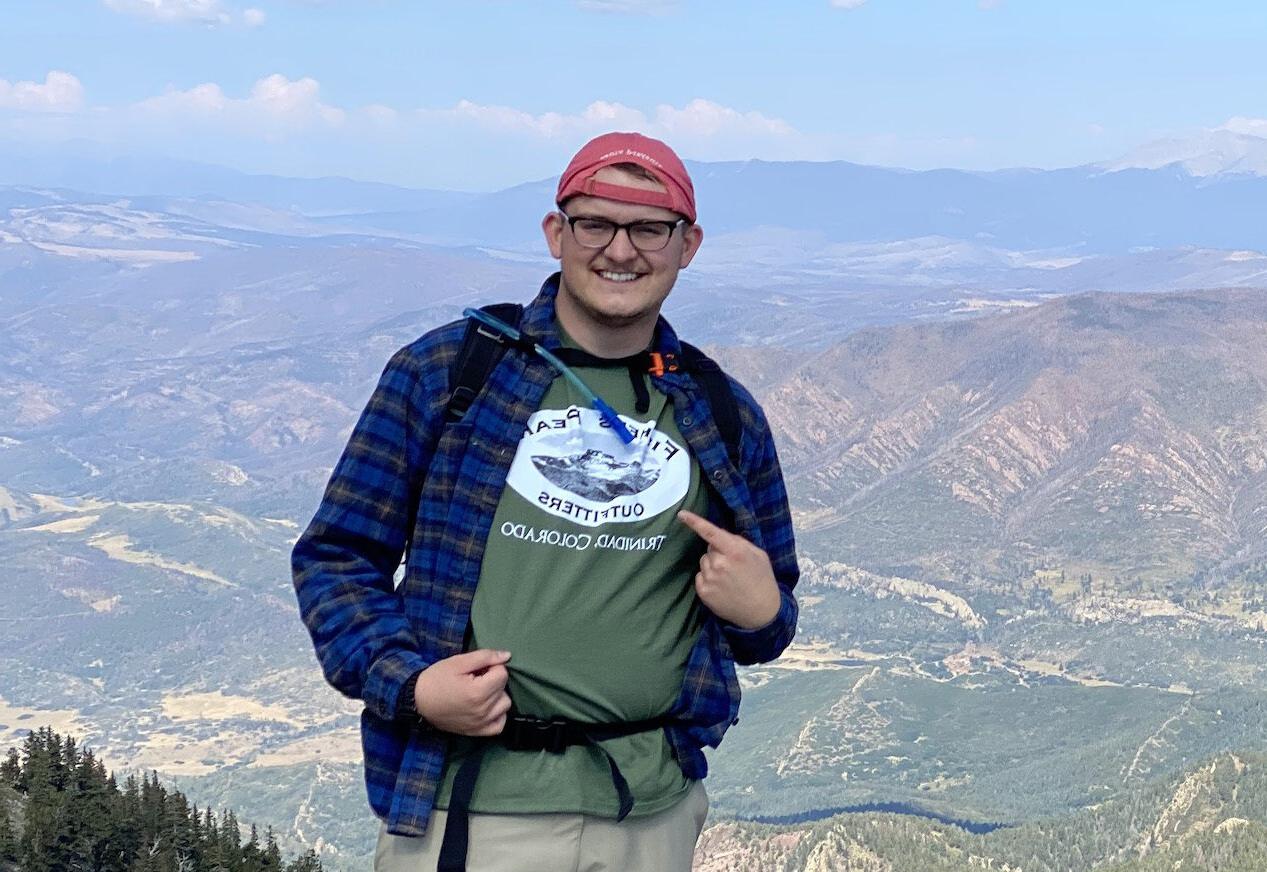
539,688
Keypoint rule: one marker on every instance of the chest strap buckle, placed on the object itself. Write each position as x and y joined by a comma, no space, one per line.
526,733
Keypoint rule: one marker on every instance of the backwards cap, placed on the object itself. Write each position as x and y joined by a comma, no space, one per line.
650,154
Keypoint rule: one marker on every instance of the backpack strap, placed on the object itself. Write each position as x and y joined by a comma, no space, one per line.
480,351
482,348
527,733
721,398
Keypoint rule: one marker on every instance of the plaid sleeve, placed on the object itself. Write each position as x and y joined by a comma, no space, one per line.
344,562
774,519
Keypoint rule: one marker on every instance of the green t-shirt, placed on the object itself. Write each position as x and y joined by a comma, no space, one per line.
588,580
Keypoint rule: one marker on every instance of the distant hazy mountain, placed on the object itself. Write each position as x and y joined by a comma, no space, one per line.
151,176
178,274
1210,153
1082,208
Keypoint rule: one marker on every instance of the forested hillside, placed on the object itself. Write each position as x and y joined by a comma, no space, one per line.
1212,818
61,810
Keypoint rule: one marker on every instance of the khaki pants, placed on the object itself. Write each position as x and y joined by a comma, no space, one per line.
662,842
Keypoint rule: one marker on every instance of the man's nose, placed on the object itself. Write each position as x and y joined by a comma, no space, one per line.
621,247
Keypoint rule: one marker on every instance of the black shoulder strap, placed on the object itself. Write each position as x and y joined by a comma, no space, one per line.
482,348
470,369
480,351
721,399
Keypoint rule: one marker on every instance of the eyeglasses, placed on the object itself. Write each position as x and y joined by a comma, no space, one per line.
643,235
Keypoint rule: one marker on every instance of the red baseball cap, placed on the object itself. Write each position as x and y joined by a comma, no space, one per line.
650,154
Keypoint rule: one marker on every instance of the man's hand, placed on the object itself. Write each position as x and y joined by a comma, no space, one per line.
465,693
735,579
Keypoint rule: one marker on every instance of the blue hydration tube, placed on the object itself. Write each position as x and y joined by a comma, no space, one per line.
607,412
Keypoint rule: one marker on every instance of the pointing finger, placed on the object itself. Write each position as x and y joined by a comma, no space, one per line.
704,528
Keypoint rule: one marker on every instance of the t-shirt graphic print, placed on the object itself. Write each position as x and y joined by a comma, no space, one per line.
572,464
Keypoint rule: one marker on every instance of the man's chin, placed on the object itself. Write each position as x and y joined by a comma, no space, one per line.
618,319
614,317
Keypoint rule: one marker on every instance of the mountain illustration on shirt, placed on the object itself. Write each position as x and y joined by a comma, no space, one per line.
596,475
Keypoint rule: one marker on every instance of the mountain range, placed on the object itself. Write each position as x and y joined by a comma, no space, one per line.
1167,194
149,503
1028,488
1125,430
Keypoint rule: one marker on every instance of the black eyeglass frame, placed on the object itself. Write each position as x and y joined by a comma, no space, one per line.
616,228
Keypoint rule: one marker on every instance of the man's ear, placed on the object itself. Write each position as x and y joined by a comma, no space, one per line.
692,238
552,225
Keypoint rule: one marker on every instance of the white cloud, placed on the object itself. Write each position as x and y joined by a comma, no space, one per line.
705,118
548,124
206,99
699,129
280,97
275,105
1247,126
60,92
466,145
700,119
377,113
211,12
847,4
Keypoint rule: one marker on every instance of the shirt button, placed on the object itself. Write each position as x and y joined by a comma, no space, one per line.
718,475
687,421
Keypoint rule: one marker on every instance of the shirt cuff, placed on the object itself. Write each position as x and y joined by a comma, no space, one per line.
387,678
763,643
407,702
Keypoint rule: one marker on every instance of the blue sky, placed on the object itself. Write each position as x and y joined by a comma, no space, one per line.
480,94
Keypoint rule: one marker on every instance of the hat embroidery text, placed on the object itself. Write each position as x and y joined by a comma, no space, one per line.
631,153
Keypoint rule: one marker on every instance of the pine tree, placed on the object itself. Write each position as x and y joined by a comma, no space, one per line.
213,849
306,863
252,856
177,833
231,841
9,839
197,837
84,838
152,797
127,824
11,769
272,853
43,807
68,760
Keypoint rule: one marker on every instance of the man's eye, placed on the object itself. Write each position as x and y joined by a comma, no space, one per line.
593,225
649,232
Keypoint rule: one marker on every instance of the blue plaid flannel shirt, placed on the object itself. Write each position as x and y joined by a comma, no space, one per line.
370,638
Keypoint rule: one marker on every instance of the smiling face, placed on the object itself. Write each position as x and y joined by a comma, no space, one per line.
609,297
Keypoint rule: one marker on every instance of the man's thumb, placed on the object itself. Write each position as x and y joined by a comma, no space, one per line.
481,659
